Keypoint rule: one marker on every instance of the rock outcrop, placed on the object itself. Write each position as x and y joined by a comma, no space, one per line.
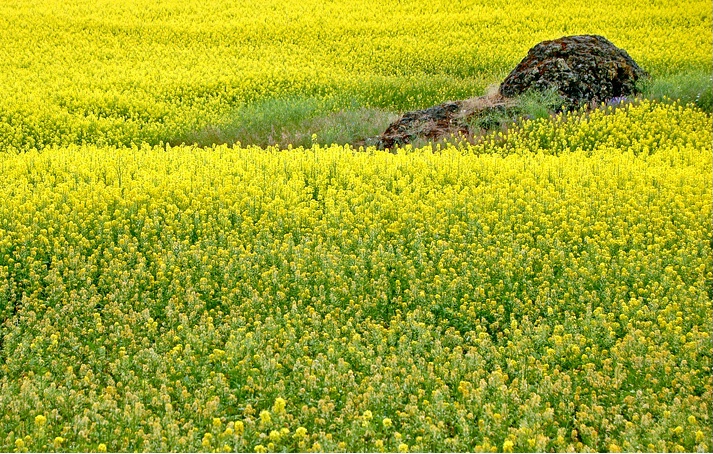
584,69
449,119
429,124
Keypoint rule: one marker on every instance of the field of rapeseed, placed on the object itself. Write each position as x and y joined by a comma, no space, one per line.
111,72
547,290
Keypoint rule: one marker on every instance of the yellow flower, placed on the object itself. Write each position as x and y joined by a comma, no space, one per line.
508,445
464,388
58,442
40,420
101,447
403,447
386,422
265,417
279,406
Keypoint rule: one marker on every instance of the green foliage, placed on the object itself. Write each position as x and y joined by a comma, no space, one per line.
532,105
539,104
292,122
687,87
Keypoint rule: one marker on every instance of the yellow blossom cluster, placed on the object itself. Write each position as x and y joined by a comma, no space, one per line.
112,72
474,298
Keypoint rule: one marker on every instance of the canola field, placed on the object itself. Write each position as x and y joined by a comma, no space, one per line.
110,72
549,288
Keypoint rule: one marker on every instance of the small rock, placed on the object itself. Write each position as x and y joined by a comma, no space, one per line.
440,122
431,123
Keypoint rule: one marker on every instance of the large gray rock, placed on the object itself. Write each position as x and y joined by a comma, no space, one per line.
584,69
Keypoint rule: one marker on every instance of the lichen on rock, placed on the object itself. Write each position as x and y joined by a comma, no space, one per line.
584,69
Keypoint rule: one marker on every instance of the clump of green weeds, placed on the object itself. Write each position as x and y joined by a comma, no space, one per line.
531,105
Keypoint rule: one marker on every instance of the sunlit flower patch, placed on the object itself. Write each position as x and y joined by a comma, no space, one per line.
547,290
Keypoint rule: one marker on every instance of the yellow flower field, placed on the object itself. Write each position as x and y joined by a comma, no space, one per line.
548,290
117,72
